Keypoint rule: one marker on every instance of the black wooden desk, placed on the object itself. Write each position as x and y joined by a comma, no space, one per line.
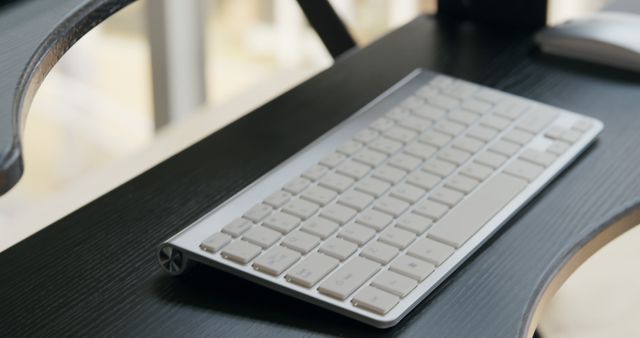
94,273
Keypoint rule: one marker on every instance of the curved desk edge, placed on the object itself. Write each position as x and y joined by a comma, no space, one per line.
34,35
610,228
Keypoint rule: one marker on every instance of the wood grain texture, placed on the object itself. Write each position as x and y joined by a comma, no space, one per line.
34,34
94,273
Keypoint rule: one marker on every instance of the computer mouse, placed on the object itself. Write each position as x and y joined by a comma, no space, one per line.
609,38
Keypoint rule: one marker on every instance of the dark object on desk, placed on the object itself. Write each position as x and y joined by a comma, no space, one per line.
608,38
94,271
511,13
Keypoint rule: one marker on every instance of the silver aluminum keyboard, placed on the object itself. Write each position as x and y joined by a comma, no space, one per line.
371,217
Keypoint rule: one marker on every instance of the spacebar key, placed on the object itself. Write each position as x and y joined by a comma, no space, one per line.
471,214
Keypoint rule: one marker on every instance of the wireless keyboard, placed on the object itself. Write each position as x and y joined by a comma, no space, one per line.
371,217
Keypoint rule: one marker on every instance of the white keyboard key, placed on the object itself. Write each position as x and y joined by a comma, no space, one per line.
454,156
261,236
357,234
320,227
258,212
381,124
278,199
350,147
571,136
297,185
439,168
478,171
468,144
385,145
536,120
354,170
379,252
241,252
416,123
463,221
431,209
336,182
435,139
411,267
423,180
338,248
442,81
558,147
391,206
482,133
366,135
443,102
389,174
411,102
446,196
372,186
374,219
554,132
375,300
461,183
333,160
319,195
311,269
401,134
491,159
505,148
342,283
281,222
420,150
370,157
429,112
356,200
300,241
489,95
520,137
538,157
394,283
524,169
338,213
414,223
462,89
476,106
276,260
215,242
300,208
405,162
397,113
463,116
582,125
450,128
511,108
495,122
407,193
431,251
237,227
397,237
427,91
315,172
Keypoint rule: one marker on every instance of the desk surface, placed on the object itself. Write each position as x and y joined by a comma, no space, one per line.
95,272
